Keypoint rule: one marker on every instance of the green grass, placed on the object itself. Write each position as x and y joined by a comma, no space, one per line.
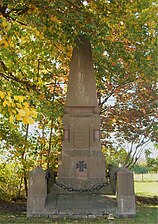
148,189
145,215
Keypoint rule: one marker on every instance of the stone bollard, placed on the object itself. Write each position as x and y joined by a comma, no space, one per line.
125,193
50,175
37,192
113,177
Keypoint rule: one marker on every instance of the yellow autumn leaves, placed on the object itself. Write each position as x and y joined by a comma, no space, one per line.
26,115
4,39
18,108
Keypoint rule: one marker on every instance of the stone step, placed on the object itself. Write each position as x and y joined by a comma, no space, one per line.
80,205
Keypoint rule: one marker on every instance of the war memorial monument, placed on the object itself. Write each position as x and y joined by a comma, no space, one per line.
81,188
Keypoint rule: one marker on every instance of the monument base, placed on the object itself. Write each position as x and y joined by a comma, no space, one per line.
59,202
80,205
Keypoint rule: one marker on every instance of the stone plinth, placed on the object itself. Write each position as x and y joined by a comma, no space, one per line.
125,193
37,192
80,205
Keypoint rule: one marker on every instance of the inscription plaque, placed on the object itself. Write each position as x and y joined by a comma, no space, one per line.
81,136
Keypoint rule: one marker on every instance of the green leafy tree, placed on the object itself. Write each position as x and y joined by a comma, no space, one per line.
141,169
152,163
36,41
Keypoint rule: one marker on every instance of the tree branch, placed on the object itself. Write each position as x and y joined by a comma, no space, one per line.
8,75
129,154
21,23
7,13
106,98
136,155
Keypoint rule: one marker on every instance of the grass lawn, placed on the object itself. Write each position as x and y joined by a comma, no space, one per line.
145,215
148,189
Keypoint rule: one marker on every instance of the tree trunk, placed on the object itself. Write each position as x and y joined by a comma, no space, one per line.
142,177
19,193
23,157
25,183
50,144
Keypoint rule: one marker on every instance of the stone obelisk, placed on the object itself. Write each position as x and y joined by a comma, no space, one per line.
79,189
82,164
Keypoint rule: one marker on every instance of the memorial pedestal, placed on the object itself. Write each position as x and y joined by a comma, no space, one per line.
81,167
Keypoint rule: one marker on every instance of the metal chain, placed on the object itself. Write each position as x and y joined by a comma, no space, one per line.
71,189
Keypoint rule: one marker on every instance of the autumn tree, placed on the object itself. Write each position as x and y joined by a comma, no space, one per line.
36,41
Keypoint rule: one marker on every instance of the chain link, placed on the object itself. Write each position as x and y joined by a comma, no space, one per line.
71,189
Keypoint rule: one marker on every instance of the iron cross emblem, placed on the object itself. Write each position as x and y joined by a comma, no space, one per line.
81,165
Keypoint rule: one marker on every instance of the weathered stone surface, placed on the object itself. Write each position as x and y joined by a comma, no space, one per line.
37,191
113,177
125,193
82,164
82,86
80,205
